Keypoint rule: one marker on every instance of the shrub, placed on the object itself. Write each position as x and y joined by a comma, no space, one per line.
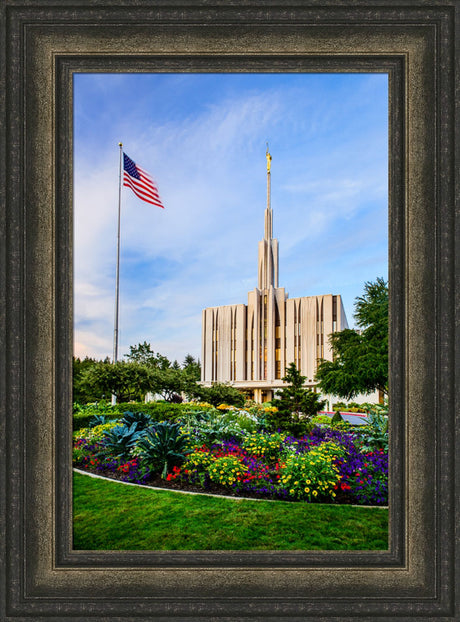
219,393
209,426
96,433
158,411
164,446
321,420
142,420
83,415
296,405
120,440
227,470
374,435
266,446
311,475
97,420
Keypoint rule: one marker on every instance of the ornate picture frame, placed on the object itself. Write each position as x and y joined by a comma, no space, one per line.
44,44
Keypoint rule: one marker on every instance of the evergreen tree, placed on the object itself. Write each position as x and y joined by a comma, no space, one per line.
296,404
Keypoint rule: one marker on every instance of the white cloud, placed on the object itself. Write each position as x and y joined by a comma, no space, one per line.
202,249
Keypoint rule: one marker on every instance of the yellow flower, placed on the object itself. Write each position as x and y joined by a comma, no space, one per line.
308,481
314,493
307,489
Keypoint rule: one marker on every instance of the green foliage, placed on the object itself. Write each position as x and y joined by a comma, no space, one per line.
322,420
168,383
312,474
326,421
374,435
128,381
209,426
218,393
192,368
143,371
143,355
226,470
360,362
120,440
296,405
141,419
158,411
164,446
97,420
265,446
95,434
336,418
82,391
351,407
83,414
105,512
167,379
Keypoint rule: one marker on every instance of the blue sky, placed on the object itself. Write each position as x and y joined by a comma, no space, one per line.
202,137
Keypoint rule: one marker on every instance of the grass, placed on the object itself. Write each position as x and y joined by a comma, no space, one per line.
112,516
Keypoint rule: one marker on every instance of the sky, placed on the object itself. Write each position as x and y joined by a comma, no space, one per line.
203,139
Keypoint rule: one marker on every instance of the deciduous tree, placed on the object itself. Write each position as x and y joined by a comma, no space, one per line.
360,357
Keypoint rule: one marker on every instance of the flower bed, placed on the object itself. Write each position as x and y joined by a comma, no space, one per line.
325,465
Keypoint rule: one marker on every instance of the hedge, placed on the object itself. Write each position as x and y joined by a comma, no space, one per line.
159,411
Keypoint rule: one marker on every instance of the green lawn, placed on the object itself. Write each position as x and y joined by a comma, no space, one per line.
112,516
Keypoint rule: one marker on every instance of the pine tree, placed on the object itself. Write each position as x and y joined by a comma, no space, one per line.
296,404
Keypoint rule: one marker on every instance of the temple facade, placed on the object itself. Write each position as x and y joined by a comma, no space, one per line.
251,345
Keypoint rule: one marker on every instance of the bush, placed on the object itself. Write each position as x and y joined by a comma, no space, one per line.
312,474
321,420
83,415
266,446
226,470
120,440
164,446
142,420
219,393
212,425
296,405
158,411
97,420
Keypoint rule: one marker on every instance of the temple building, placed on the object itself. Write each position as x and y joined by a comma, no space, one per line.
251,345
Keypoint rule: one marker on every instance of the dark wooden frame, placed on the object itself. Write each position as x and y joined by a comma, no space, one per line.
44,43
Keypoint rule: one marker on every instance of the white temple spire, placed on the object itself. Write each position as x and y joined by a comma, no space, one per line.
268,247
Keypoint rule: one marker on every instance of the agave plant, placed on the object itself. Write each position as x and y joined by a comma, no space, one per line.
163,446
97,420
121,439
142,420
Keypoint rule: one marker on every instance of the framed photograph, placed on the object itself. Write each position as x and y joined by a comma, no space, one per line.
305,230
45,48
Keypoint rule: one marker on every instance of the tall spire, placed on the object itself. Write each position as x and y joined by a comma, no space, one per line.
268,247
269,164
268,211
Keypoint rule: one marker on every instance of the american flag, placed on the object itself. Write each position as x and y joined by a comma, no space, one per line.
140,182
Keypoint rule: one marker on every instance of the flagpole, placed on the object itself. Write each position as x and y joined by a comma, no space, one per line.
117,276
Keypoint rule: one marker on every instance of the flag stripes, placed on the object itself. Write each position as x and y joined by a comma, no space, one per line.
140,182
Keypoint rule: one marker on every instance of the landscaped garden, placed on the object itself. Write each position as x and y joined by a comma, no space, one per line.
274,490
232,451
285,457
